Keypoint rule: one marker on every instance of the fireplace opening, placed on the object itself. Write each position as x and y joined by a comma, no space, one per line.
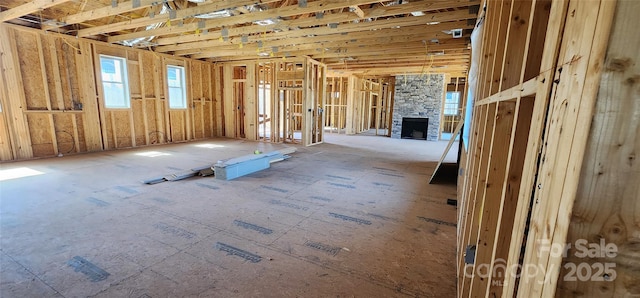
414,128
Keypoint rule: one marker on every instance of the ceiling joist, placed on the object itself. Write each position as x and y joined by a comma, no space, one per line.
286,11
103,12
358,36
28,8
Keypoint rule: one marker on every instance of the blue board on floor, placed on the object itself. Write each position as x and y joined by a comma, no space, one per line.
239,166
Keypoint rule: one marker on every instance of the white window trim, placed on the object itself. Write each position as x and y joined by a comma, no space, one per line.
125,82
183,87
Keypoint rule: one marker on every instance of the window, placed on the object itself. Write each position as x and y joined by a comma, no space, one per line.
177,89
452,103
114,82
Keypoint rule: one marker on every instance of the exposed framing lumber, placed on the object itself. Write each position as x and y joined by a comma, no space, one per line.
489,41
571,107
544,87
517,44
356,9
219,113
286,11
229,107
492,189
502,40
145,117
88,97
6,145
411,48
28,8
180,14
606,201
268,41
46,93
528,88
59,101
56,74
345,17
104,12
349,28
509,196
486,119
251,104
18,126
326,46
466,212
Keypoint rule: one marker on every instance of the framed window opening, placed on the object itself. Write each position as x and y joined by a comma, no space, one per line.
115,82
452,103
176,83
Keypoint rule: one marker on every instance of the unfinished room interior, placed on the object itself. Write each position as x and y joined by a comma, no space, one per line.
319,148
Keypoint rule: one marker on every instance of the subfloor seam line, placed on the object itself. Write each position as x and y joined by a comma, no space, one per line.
30,272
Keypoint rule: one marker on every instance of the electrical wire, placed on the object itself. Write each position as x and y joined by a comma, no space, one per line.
73,143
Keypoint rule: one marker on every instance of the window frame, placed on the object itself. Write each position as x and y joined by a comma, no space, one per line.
445,109
183,87
125,82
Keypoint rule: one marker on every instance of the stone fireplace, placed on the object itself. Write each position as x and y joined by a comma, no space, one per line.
418,97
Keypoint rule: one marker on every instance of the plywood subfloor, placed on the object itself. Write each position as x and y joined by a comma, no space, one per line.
349,219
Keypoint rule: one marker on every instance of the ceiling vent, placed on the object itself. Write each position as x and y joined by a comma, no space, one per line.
457,33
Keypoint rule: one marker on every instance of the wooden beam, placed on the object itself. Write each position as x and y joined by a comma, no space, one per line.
180,14
28,8
282,12
329,46
526,89
272,39
104,12
344,18
356,9
411,48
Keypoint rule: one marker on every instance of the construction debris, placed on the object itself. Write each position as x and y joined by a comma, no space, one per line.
240,166
231,168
